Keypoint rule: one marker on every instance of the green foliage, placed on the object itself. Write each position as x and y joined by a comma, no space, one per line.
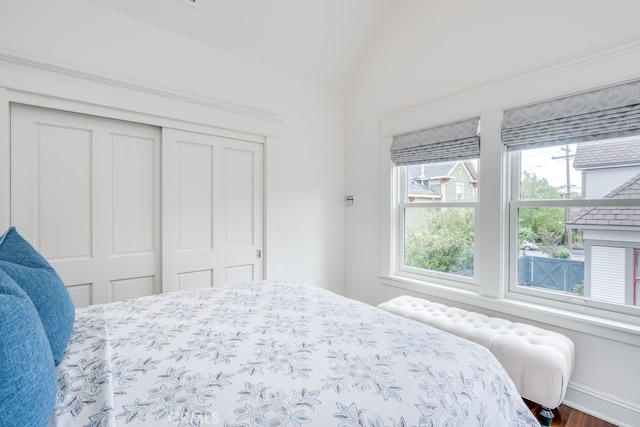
543,225
534,188
443,242
560,252
579,289
526,234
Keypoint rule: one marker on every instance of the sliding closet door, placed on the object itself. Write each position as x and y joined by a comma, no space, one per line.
212,210
85,192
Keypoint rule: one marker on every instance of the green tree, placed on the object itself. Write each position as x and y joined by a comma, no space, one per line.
544,225
534,188
443,242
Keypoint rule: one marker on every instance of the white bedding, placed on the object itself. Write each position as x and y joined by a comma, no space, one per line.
274,354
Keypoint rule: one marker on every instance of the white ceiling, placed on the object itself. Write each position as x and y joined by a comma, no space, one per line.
320,40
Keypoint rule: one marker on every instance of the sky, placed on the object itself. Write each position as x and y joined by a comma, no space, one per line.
541,162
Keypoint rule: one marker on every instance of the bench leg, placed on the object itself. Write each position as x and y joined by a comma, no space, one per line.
547,415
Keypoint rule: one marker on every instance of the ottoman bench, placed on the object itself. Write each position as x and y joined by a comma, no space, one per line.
540,362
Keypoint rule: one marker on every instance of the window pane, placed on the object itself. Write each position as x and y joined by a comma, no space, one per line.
583,251
440,239
545,259
596,170
442,182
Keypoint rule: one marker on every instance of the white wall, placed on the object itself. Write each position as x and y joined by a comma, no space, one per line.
432,51
309,189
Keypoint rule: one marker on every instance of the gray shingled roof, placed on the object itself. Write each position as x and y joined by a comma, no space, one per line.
417,189
606,154
431,169
612,216
440,169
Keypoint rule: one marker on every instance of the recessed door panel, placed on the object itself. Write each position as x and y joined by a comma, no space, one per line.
63,191
195,183
238,274
85,192
131,288
218,196
195,280
134,177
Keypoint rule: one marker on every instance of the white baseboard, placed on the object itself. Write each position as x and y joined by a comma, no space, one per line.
606,406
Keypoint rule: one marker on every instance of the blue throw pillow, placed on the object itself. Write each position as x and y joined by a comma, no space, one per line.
43,285
27,373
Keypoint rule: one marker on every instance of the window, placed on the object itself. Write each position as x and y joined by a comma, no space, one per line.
435,229
582,217
459,191
503,280
575,199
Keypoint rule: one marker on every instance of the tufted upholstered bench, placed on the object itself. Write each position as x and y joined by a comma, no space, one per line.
540,362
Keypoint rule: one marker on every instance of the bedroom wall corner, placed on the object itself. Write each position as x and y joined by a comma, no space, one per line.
416,60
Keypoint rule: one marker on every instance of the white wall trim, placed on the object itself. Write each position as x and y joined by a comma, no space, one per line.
544,315
599,404
602,69
47,83
138,87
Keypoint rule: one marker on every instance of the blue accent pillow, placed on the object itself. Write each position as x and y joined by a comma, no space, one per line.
27,374
43,285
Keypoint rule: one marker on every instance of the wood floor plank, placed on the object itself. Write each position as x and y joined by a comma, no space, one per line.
565,416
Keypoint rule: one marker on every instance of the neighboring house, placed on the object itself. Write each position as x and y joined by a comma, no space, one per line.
446,182
611,234
605,166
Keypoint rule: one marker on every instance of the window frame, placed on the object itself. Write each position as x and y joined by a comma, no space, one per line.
492,237
400,205
636,278
575,303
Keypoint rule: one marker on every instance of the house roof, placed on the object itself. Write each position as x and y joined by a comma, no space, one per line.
612,216
433,170
606,154
430,170
419,175
418,189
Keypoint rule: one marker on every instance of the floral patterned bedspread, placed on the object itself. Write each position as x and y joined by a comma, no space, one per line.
274,353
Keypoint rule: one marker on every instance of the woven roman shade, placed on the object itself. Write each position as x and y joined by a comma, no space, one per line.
454,141
607,113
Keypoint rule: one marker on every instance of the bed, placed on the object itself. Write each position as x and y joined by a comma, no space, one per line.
273,353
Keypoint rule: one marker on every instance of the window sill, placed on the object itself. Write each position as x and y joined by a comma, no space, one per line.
547,316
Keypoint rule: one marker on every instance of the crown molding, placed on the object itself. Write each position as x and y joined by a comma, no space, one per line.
8,57
597,70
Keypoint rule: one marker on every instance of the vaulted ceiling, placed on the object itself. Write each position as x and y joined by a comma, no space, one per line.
320,40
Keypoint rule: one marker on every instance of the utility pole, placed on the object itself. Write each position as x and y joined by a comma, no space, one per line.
567,156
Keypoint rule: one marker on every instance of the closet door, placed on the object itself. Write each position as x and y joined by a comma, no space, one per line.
212,210
85,192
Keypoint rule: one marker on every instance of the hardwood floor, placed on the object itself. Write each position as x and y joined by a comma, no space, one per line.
565,416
